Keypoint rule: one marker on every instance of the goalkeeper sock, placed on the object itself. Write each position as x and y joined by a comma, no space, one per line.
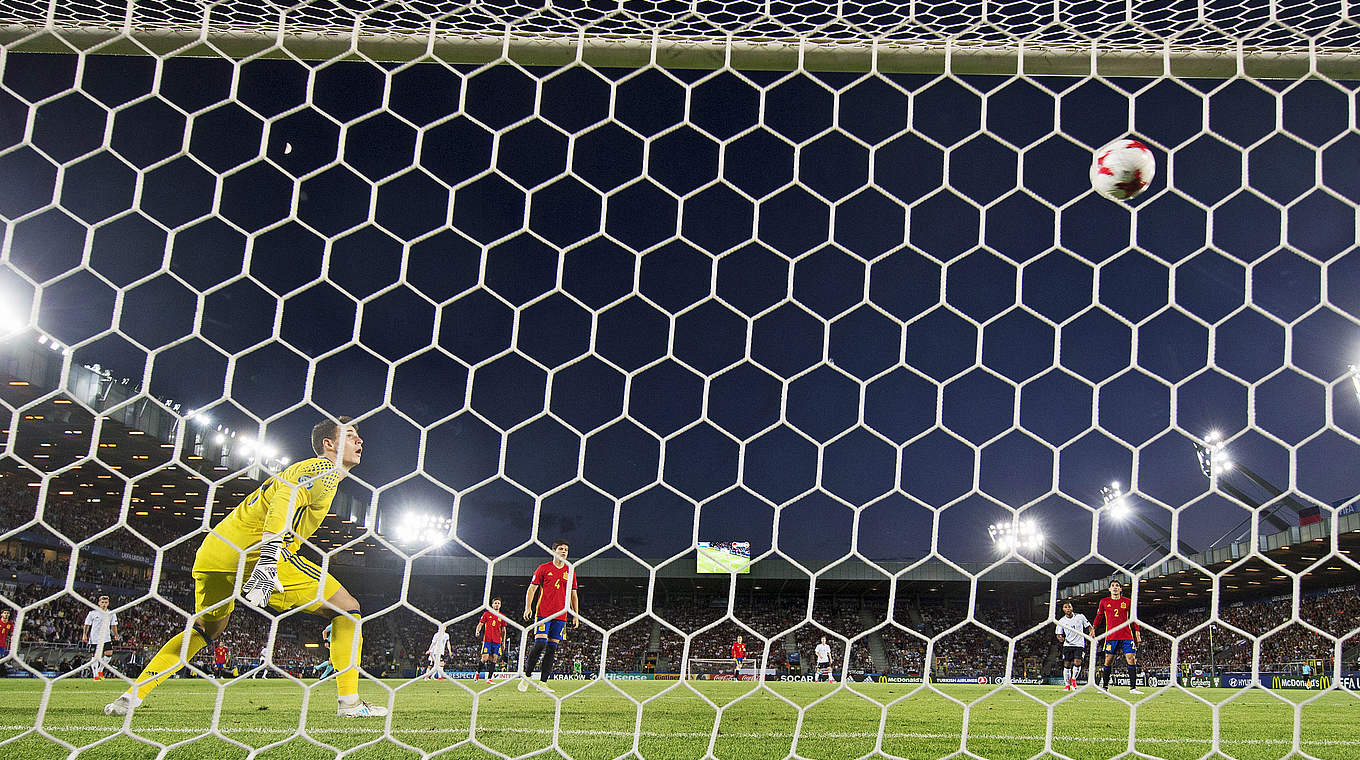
168,660
534,652
1133,676
548,655
346,646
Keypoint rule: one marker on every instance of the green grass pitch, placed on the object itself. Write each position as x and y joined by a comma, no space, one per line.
674,721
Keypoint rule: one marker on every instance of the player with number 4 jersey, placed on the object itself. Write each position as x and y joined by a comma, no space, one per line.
551,583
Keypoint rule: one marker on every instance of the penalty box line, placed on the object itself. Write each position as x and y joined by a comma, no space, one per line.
692,734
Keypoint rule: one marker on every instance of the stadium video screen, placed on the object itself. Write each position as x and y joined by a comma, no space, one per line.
724,556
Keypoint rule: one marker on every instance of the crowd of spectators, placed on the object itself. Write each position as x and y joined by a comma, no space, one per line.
52,628
72,519
762,621
1338,614
627,643
92,571
968,649
835,618
412,633
117,559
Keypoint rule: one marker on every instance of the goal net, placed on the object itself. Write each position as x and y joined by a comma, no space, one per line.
821,289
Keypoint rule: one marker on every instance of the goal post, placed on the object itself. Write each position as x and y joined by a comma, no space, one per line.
703,668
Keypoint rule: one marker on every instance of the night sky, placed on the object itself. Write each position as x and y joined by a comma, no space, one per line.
693,304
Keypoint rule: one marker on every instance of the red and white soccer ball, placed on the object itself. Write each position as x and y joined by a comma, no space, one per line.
1123,169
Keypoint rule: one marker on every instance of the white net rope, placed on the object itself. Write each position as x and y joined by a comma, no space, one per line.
826,277
1200,39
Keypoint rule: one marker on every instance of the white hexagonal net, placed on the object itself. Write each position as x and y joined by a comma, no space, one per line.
824,277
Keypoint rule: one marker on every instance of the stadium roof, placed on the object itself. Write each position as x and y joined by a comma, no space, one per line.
135,444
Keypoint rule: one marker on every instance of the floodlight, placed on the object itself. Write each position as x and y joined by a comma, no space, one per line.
1206,460
423,527
1024,535
1212,455
9,322
1114,502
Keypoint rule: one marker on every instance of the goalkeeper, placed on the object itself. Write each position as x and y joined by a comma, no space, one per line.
269,527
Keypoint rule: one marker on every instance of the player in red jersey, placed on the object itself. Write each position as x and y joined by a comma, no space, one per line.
553,579
490,628
220,661
738,654
1121,635
6,632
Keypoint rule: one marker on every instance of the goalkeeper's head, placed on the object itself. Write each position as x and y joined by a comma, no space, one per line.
338,441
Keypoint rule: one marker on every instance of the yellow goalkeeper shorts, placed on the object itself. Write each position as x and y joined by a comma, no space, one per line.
305,585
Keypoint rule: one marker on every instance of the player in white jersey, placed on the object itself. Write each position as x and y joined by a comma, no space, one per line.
439,646
1072,631
263,670
823,652
101,627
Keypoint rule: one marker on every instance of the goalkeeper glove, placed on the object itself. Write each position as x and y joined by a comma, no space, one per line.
264,579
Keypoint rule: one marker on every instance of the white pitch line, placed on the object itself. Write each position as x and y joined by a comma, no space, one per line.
695,734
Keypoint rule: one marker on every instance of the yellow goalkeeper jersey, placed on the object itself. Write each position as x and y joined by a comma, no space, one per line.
292,504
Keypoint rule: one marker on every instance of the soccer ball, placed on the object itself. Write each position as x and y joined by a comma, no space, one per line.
1122,169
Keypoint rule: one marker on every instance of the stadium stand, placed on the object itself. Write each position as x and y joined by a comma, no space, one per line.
121,563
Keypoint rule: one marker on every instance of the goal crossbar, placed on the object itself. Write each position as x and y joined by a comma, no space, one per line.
885,55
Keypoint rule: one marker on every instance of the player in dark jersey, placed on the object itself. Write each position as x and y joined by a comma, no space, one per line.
1121,635
551,582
